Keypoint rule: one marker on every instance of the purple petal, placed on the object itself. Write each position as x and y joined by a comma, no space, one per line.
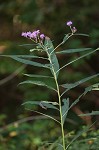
69,23
42,36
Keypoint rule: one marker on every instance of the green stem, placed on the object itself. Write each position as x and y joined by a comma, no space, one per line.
60,105
60,108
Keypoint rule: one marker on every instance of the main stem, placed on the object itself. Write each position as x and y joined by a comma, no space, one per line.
60,105
60,108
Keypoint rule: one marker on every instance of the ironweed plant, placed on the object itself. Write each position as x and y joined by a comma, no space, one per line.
44,44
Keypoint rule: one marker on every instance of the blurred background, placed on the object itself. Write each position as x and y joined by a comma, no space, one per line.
18,125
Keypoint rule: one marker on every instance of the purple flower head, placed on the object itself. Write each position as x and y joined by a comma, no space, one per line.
37,32
42,36
34,35
29,34
69,23
24,34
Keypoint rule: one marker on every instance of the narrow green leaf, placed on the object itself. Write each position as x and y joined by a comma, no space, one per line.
24,56
77,59
81,34
95,86
88,89
65,38
95,89
73,85
39,83
27,44
51,105
65,108
52,56
44,115
37,76
73,50
32,103
29,62
90,114
43,104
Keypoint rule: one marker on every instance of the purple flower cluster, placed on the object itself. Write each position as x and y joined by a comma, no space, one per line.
73,29
33,35
69,23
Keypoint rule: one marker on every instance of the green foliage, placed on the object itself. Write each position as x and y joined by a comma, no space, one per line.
73,50
45,13
51,55
87,140
65,108
24,135
73,85
43,104
28,62
53,65
40,83
90,114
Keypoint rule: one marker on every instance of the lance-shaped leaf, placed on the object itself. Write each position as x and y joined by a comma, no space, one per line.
44,115
69,86
95,86
26,61
73,50
81,34
64,109
43,104
77,59
52,56
66,38
39,83
24,56
90,114
27,45
47,104
37,76
88,89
